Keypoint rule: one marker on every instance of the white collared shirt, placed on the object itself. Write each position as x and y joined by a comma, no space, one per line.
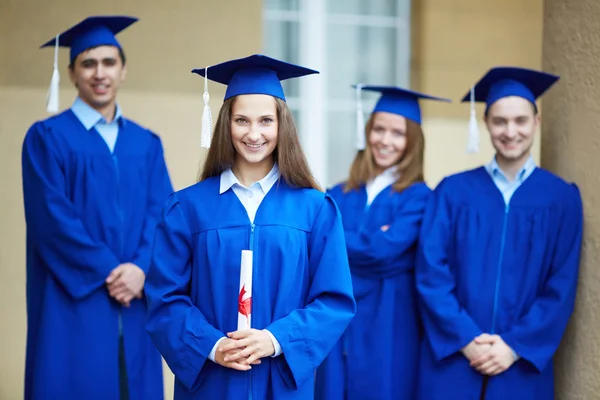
507,187
250,197
91,118
380,182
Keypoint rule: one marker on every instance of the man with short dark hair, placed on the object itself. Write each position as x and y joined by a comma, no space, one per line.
498,259
93,185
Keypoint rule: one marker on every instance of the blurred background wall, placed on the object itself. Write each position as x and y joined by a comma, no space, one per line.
570,148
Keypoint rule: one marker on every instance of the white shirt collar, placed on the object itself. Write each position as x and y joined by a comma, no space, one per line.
391,172
88,116
494,169
228,179
387,175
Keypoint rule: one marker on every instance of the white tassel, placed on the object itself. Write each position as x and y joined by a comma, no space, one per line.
52,102
360,120
206,116
473,136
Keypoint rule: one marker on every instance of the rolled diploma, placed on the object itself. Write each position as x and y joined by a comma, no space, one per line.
245,293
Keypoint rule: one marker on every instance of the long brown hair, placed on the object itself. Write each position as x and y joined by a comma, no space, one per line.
410,166
288,154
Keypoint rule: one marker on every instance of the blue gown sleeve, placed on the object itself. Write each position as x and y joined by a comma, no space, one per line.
447,324
380,254
536,336
307,335
177,327
160,188
54,229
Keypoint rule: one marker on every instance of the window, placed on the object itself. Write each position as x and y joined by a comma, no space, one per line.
350,41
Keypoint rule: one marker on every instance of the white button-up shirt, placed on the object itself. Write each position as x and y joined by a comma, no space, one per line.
250,197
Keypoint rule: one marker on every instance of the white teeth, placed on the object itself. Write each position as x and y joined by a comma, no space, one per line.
253,146
384,152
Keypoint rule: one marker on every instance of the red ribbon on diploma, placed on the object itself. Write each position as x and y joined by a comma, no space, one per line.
244,305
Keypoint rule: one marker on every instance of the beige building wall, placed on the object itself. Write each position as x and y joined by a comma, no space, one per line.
453,44
170,39
571,148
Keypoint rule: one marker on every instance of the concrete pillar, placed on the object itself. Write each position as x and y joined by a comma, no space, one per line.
571,149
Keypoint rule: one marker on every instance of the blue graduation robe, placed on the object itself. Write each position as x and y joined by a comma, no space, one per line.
87,211
378,355
302,290
484,267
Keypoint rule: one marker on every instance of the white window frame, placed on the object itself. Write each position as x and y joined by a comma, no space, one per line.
312,101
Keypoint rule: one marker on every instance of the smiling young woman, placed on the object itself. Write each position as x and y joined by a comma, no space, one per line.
272,128
382,204
256,194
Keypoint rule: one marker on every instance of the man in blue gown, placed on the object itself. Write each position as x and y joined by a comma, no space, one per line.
498,259
93,184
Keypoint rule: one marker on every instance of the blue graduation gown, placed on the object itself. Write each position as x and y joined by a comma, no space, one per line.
302,290
87,211
507,270
378,355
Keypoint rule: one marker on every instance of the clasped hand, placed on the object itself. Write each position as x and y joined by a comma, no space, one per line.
489,354
125,283
244,348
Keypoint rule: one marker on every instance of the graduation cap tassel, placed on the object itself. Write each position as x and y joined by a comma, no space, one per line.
52,103
206,116
473,138
360,120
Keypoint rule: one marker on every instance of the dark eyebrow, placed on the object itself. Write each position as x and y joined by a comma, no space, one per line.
94,60
262,116
497,117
